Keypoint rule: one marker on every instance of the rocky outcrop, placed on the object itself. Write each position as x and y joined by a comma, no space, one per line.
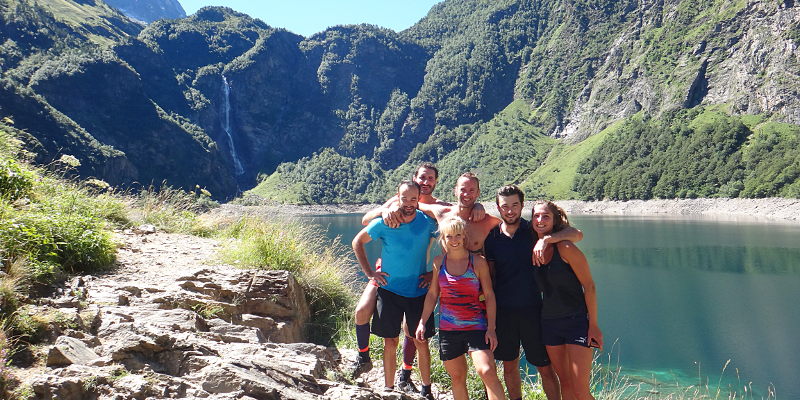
747,61
166,326
149,10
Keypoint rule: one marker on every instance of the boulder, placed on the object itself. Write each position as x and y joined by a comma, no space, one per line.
67,351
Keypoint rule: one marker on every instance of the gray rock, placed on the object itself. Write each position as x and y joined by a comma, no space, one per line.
69,351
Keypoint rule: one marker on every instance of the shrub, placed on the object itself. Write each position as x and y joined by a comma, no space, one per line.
172,209
321,268
15,181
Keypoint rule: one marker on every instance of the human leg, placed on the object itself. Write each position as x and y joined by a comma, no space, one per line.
409,348
457,369
550,382
364,310
409,353
561,366
512,378
366,304
532,339
424,352
389,360
580,364
386,323
484,366
507,351
413,313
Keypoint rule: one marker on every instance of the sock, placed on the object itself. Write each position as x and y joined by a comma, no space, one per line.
405,374
426,389
362,340
409,352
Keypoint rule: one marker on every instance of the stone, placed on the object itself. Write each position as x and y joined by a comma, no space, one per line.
67,351
146,229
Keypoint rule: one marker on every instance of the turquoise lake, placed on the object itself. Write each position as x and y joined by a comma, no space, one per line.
679,298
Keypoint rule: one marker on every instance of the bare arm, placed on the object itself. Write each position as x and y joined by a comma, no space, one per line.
434,211
425,279
378,212
430,300
478,213
577,260
362,238
569,233
482,271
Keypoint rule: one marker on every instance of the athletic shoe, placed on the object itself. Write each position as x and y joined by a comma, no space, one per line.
359,366
407,387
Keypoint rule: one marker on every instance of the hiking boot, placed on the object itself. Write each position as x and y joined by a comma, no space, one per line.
407,387
428,396
359,366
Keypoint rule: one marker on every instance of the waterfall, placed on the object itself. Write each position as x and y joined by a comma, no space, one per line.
226,125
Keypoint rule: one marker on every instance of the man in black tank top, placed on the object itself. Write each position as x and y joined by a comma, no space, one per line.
509,249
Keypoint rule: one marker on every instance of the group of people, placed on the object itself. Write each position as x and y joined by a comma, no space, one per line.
501,284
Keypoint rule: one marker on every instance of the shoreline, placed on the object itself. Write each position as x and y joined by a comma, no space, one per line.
767,209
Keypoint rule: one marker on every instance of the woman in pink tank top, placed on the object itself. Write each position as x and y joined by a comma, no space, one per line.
466,324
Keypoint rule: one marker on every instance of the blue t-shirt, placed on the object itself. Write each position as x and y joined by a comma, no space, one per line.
404,252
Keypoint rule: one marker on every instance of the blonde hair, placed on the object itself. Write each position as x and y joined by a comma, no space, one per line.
452,225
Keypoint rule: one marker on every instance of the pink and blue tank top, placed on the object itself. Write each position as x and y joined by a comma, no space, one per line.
459,300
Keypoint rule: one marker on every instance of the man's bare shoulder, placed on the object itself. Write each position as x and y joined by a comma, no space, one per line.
438,210
489,222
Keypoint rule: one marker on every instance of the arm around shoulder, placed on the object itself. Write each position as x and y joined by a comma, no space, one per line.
378,211
569,233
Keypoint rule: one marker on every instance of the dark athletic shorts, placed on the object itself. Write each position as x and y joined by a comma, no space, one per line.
567,330
391,307
517,326
453,344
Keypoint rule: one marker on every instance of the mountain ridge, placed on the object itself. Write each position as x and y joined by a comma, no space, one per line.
450,89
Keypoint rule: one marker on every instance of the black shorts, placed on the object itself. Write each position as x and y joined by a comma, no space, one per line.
567,330
517,326
453,344
391,307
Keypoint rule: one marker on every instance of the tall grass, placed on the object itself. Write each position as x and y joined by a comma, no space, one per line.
171,209
322,268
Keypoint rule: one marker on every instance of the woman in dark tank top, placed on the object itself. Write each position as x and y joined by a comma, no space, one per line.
569,305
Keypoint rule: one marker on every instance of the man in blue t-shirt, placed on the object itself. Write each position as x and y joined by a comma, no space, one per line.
404,257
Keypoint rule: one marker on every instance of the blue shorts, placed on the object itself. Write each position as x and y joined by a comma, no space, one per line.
566,330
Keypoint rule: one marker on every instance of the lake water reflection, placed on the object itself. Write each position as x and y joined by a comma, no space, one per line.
682,296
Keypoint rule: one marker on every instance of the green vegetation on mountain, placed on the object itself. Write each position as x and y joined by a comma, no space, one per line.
515,90
692,153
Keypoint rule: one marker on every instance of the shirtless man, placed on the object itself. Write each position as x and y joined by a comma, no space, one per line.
426,176
467,191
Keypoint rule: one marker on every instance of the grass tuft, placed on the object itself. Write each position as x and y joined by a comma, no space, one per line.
322,268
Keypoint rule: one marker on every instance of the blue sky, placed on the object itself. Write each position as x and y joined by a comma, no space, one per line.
307,17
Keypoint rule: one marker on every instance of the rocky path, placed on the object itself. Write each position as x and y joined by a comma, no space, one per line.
171,322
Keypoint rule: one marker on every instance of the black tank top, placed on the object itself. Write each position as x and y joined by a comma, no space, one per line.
562,292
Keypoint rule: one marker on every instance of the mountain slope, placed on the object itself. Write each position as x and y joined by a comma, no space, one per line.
149,10
508,88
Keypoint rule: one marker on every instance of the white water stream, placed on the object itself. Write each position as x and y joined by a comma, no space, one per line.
226,126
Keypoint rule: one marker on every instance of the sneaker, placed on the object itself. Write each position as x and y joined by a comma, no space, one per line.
359,366
407,387
428,396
